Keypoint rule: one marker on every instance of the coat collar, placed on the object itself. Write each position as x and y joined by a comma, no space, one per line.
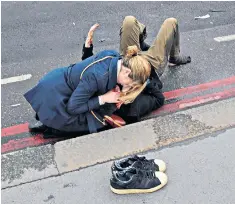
113,73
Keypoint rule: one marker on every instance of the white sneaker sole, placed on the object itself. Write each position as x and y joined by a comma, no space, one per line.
161,164
160,175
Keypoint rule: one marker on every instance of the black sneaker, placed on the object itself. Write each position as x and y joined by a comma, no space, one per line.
139,163
137,181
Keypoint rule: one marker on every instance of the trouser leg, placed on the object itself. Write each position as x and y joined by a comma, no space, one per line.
130,33
166,43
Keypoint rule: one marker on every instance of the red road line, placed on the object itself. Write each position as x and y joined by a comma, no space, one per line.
14,130
21,128
25,142
38,140
172,107
201,87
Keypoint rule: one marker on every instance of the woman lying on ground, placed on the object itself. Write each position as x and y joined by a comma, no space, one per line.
74,99
150,99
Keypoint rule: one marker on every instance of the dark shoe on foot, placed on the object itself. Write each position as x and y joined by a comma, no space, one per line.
37,127
179,60
53,133
139,163
136,181
144,46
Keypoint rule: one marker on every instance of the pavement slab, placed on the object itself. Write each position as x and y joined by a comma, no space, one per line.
92,149
27,165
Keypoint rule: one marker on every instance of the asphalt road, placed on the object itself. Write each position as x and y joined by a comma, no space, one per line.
40,36
199,171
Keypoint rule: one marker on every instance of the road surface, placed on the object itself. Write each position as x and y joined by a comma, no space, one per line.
40,36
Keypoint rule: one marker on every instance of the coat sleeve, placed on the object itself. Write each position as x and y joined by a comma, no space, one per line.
83,98
145,104
87,51
154,94
150,99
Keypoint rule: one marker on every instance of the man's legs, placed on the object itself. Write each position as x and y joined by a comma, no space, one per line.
130,33
165,44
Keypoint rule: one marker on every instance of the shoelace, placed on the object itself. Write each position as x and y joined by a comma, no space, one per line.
141,174
147,164
145,174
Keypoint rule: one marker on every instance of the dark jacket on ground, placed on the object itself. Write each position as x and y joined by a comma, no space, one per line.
62,101
150,99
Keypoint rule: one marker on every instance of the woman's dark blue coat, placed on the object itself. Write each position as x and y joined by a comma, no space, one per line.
63,101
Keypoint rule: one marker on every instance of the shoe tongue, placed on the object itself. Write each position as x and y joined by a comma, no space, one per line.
139,158
131,160
135,160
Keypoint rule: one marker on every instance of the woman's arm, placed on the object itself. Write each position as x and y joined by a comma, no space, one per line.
84,99
87,50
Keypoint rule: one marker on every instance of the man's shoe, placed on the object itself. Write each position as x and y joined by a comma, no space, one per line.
37,127
139,163
144,46
179,60
137,181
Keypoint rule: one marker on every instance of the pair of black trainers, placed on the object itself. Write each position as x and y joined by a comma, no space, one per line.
137,175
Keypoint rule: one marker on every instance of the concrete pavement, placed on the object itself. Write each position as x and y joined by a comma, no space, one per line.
199,171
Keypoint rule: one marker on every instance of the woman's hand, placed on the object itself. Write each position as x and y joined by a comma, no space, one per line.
112,96
119,104
89,38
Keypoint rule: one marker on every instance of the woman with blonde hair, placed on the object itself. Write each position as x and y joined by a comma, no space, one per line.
151,98
73,98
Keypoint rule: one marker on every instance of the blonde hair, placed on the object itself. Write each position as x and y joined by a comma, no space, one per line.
140,72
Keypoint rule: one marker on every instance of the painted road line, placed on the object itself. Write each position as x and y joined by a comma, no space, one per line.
16,129
225,38
16,79
21,128
36,140
13,145
186,103
198,88
15,105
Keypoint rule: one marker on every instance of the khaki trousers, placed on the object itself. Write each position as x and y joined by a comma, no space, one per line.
165,44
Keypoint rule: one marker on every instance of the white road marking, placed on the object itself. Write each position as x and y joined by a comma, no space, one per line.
225,38
15,79
18,104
